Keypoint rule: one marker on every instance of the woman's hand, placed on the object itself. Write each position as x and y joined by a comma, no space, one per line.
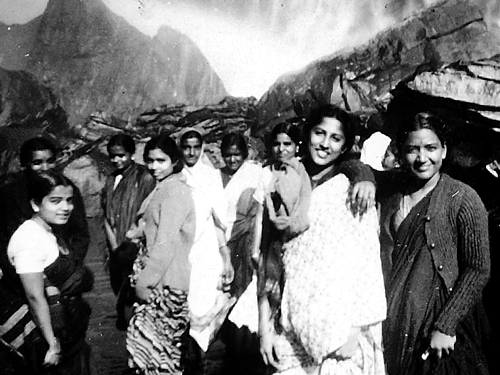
441,342
227,275
53,355
362,197
349,348
267,348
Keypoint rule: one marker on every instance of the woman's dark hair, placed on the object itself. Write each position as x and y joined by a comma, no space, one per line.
317,116
289,127
191,134
41,184
422,120
166,144
234,139
122,140
32,145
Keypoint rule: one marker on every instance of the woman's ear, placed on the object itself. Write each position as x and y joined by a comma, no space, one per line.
34,206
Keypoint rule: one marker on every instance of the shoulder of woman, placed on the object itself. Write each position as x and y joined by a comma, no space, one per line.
28,234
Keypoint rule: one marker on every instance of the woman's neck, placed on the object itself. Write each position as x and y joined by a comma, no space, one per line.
420,188
41,222
316,171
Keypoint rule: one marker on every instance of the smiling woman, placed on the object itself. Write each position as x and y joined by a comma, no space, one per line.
435,251
51,276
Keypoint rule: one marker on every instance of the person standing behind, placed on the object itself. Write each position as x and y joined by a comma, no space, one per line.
38,155
125,190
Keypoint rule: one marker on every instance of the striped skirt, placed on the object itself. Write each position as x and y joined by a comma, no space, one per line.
155,332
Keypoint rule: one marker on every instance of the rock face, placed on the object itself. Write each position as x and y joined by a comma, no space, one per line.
466,96
94,60
361,80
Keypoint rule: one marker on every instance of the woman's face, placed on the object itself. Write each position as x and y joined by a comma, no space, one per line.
423,153
233,157
283,147
56,207
120,158
159,164
42,161
326,141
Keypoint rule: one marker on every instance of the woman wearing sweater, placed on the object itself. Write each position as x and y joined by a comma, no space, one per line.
434,237
162,272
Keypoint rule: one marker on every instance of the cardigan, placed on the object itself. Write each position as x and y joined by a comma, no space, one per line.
169,230
456,231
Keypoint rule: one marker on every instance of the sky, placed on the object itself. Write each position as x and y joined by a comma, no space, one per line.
250,43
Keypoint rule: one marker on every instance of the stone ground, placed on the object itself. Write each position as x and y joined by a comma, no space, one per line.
109,356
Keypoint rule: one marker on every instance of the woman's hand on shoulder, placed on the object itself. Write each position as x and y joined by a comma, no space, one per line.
441,342
361,197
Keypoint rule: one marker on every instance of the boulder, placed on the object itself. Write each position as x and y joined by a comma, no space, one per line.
465,95
361,79
87,176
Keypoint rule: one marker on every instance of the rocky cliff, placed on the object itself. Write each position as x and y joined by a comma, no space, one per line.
361,79
94,60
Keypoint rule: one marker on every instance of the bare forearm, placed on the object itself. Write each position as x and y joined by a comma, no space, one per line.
110,235
41,312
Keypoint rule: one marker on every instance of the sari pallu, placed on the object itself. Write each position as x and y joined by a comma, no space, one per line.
71,281
417,295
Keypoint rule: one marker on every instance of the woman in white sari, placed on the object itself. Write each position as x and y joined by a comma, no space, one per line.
333,300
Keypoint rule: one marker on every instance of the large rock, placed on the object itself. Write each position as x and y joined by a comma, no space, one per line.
466,96
361,79
94,60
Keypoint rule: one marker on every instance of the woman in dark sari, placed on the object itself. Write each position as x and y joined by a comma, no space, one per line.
53,279
434,237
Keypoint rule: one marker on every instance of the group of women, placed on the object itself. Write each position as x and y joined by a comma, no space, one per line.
329,280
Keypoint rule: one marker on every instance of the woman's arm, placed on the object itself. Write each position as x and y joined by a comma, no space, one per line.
473,263
257,233
34,289
227,275
362,194
266,333
174,210
110,235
